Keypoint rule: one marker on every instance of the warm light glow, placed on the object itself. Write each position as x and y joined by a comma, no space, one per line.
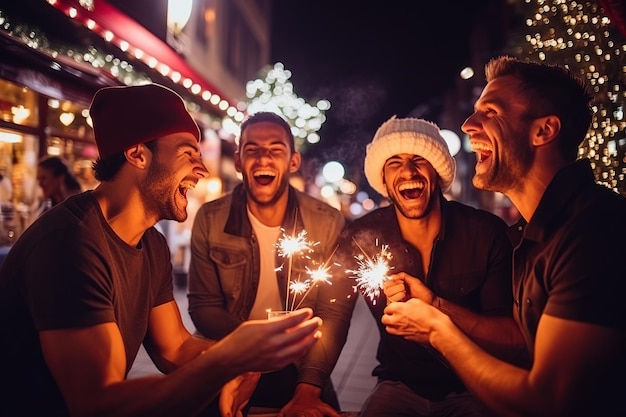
8,137
467,73
20,113
333,171
66,118
452,140
178,14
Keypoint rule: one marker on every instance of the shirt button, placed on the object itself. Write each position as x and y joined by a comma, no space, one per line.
528,302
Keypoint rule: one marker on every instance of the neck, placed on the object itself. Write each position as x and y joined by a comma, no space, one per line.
527,194
271,215
421,233
123,209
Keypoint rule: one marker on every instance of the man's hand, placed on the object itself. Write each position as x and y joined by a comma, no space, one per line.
236,393
306,402
402,287
268,345
414,320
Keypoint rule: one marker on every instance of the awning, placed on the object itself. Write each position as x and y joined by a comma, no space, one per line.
138,42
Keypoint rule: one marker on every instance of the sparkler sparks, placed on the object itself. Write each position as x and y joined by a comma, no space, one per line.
298,245
288,246
372,272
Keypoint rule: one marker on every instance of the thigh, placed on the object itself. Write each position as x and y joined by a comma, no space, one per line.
462,405
394,399
275,389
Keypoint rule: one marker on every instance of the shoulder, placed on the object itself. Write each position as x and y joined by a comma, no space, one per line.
465,213
214,207
378,217
313,206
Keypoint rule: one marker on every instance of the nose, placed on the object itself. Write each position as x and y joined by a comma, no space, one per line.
200,170
470,124
263,153
409,166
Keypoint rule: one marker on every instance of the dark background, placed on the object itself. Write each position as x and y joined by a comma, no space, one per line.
371,60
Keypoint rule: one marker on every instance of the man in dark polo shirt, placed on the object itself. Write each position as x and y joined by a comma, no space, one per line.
569,265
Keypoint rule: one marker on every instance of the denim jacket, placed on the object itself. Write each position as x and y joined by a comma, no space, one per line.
225,266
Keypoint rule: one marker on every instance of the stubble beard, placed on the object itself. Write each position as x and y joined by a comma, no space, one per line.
157,194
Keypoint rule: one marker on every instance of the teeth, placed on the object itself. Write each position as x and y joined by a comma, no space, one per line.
264,173
477,147
411,185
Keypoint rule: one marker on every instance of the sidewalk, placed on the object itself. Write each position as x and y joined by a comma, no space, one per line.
352,374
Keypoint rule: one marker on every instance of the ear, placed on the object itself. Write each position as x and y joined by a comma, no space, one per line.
137,156
237,160
545,130
294,163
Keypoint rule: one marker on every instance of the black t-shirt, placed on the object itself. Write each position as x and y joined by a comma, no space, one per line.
470,265
69,270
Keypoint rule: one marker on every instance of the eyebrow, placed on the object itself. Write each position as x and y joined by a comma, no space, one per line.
192,146
274,143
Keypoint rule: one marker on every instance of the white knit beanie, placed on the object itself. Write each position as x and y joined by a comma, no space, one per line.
410,136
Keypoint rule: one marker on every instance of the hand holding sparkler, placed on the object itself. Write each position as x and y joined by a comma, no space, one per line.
402,287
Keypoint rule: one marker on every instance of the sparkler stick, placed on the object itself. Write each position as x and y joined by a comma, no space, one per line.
373,271
297,287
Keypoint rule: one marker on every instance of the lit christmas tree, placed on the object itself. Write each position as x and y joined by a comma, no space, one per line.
581,35
275,93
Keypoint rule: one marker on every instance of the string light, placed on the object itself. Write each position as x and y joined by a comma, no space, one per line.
121,69
578,34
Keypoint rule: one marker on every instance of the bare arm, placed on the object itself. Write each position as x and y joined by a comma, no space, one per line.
554,386
89,363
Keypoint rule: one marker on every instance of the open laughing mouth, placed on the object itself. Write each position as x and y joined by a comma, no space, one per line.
264,177
411,190
483,151
183,188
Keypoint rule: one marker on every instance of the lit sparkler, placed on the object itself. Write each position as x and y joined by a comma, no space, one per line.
290,245
317,275
372,272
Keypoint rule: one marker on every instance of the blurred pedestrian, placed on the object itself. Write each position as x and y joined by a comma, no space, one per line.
91,281
56,179
6,189
569,269
458,257
56,183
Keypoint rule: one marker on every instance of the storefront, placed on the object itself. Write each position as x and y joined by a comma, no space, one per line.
51,66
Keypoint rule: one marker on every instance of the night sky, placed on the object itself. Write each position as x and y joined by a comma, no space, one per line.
371,60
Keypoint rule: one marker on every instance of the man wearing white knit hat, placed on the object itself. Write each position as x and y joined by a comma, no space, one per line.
449,254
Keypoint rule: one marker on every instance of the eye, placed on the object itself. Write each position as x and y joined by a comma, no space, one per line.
490,112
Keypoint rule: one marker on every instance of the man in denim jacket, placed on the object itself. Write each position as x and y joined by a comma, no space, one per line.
236,271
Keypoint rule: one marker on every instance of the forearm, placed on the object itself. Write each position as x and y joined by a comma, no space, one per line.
213,322
183,392
503,387
499,336
319,362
